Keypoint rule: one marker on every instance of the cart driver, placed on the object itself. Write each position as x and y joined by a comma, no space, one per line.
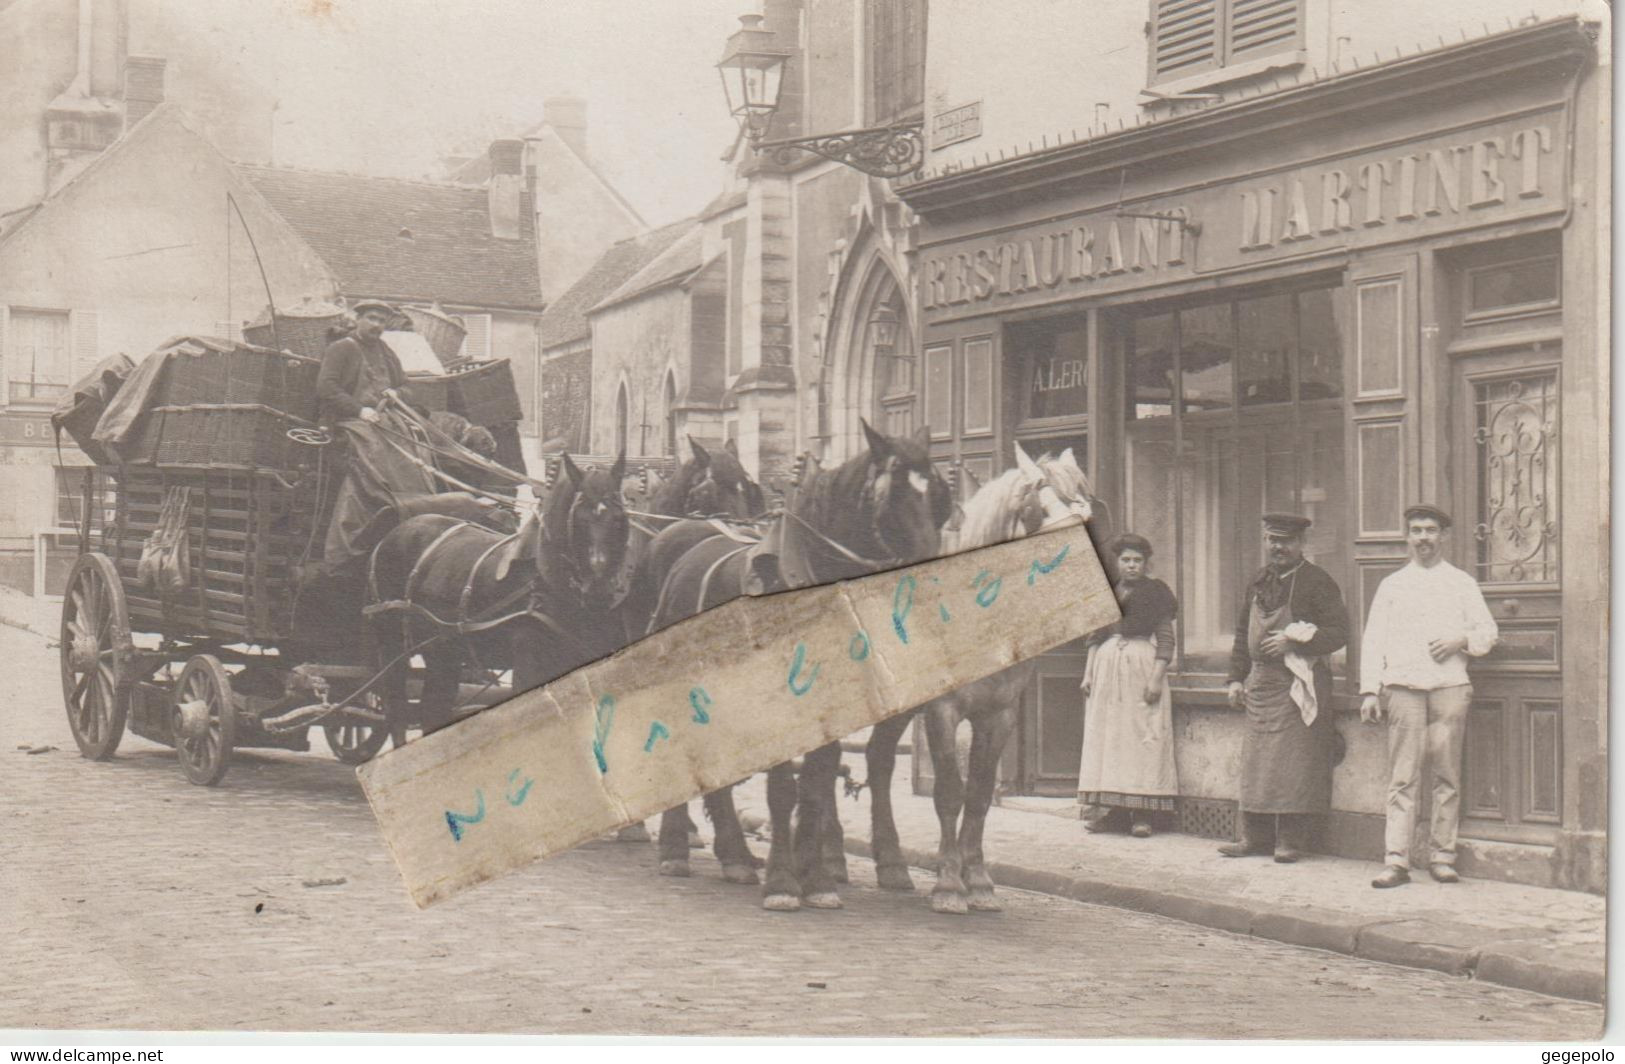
357,370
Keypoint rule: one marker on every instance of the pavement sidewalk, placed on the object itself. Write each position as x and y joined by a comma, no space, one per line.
1549,941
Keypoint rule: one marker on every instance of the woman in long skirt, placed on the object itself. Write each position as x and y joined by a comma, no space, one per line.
1128,743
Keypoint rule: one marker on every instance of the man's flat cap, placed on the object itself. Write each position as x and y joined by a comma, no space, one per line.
372,304
1284,524
1424,511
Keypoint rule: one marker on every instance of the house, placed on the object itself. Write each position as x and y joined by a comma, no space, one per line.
471,250
136,247
1250,255
569,378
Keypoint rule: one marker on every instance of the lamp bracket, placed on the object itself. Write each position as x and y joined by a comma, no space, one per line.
880,151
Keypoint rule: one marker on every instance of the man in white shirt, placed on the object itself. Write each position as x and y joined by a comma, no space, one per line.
1425,621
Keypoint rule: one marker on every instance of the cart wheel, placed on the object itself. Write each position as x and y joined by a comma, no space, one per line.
354,743
205,719
96,656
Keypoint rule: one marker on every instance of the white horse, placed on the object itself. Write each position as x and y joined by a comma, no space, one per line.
1018,502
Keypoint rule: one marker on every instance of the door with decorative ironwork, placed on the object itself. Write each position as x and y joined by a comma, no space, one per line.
1505,442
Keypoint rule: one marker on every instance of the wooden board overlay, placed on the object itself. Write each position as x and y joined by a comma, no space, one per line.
716,698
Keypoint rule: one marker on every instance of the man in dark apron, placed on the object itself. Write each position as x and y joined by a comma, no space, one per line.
1292,619
385,463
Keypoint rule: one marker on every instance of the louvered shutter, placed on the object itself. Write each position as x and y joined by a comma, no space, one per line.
477,344
1259,28
1184,37
85,344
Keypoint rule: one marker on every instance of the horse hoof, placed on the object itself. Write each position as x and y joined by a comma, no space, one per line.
675,868
737,873
952,904
633,833
894,877
983,901
837,872
824,900
781,903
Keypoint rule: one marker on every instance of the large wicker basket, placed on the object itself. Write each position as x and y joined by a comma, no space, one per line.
236,436
444,336
485,393
305,328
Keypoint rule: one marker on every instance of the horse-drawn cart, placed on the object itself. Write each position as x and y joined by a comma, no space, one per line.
199,613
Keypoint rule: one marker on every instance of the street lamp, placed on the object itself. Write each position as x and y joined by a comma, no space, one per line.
752,74
752,70
883,325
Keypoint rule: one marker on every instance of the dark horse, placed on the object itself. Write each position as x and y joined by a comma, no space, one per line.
541,598
706,486
882,509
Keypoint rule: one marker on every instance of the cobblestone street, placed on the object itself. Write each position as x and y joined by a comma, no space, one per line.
134,900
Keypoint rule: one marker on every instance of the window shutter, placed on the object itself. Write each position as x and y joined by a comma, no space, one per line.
1258,28
477,344
85,344
1185,37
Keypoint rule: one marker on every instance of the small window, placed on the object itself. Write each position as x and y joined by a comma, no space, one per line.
1513,287
1190,37
978,397
38,365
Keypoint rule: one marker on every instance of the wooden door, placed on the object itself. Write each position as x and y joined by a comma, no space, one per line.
1504,436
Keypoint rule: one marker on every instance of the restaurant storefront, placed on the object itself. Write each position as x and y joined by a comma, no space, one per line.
1330,300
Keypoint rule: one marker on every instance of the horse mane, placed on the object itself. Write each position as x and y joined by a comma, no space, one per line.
672,498
990,514
826,501
1070,481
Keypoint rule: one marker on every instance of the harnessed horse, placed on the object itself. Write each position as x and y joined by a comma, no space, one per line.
880,510
542,598
1017,503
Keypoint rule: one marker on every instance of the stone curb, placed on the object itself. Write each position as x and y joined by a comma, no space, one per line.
1436,948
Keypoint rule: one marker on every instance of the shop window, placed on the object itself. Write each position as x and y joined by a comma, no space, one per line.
1509,288
1191,37
1257,425
38,356
1054,355
896,59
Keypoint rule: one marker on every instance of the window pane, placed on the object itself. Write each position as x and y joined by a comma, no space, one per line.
979,386
1207,353
1056,357
1512,285
1268,343
1150,372
1517,479
938,391
1320,346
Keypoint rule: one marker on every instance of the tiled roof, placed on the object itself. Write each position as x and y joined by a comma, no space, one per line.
358,225
675,263
566,317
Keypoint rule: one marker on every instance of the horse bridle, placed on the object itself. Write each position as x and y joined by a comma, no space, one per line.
579,584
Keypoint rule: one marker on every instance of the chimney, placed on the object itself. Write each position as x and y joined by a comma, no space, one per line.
568,117
143,86
89,114
506,191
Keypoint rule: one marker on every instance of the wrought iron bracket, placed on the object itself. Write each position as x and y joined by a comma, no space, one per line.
880,151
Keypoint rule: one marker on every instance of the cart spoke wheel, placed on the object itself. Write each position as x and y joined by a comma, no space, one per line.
205,719
354,742
97,654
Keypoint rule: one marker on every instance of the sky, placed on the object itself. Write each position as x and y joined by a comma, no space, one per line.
387,86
